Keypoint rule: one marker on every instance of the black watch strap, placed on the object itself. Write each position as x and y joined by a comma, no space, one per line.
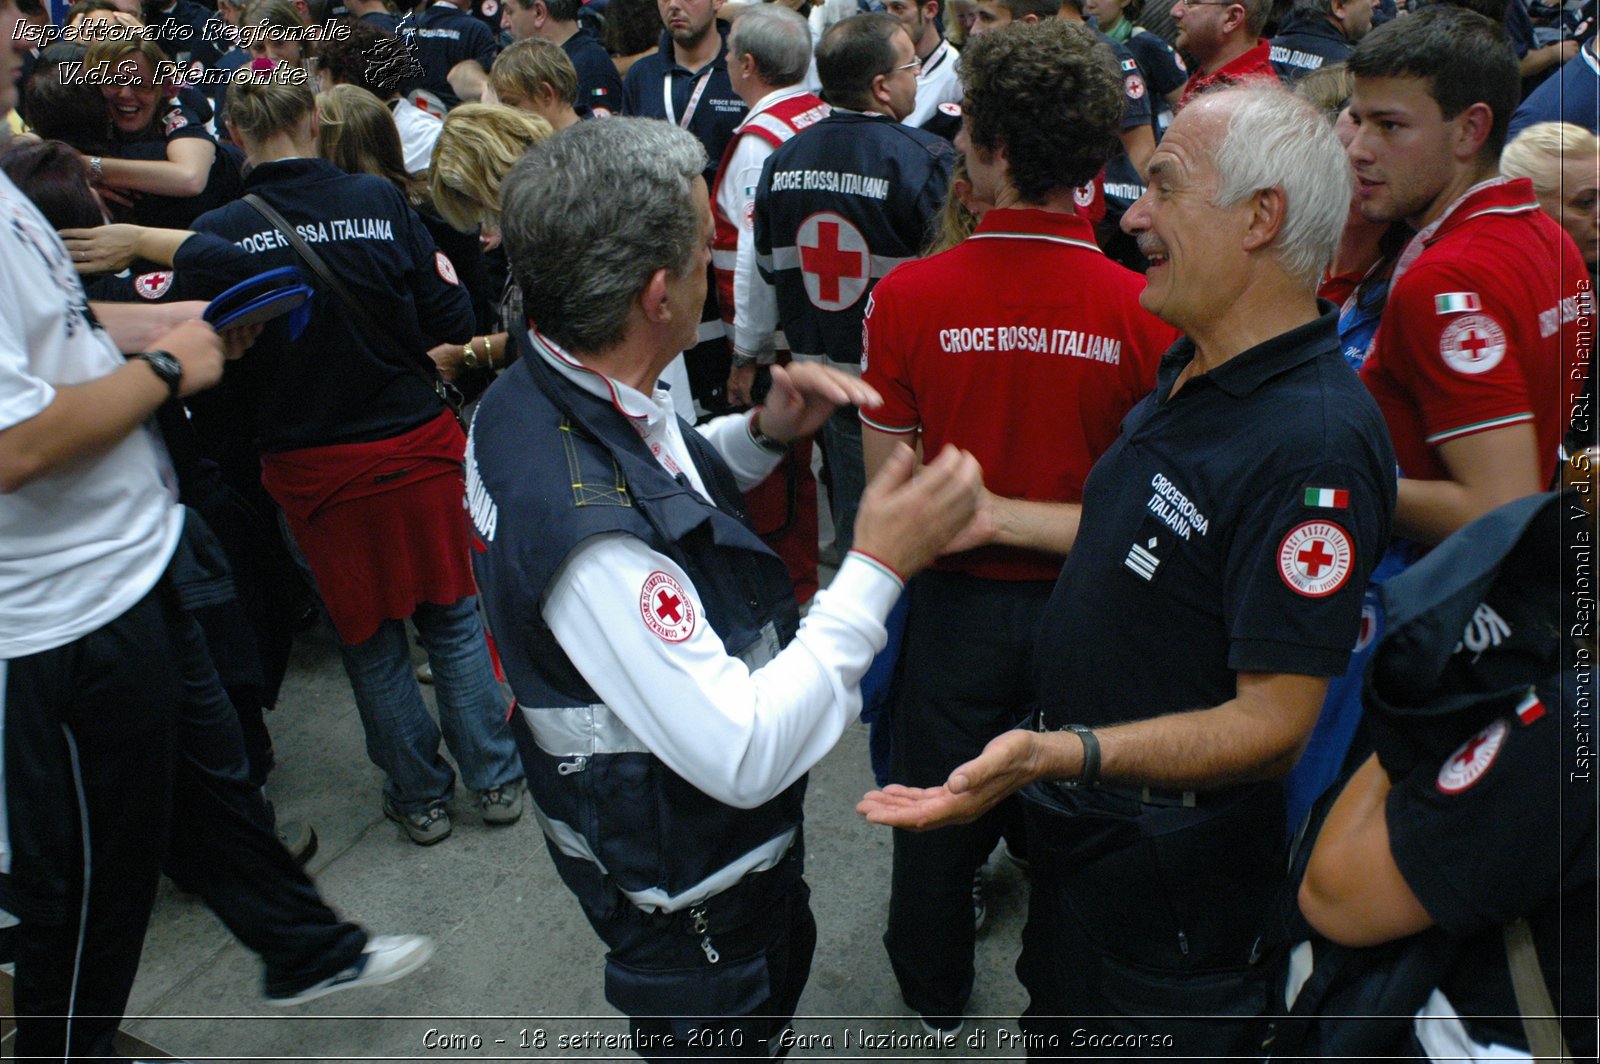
1090,774
168,368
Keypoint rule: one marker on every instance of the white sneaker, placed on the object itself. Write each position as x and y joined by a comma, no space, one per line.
386,958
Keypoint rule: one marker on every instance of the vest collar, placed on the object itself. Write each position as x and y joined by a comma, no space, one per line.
644,412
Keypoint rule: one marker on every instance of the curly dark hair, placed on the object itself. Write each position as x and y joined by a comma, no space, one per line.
1051,95
367,57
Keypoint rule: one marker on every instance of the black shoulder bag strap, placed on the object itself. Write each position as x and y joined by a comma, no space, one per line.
447,392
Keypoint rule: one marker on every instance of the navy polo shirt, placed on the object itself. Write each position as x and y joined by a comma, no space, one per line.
1572,95
445,36
599,84
1230,528
718,113
1307,44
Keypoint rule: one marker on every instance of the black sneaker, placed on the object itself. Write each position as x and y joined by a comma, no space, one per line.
429,826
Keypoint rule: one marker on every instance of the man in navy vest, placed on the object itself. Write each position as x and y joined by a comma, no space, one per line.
669,701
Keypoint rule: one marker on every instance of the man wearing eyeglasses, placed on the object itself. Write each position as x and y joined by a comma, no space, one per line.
841,204
1222,41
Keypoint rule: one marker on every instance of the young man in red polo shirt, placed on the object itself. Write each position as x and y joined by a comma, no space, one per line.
1223,39
1026,346
1473,364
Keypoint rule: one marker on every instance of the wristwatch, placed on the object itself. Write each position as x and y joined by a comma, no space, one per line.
169,369
469,357
97,170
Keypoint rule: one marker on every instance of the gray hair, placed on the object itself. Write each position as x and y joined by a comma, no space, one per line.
778,40
1277,140
590,215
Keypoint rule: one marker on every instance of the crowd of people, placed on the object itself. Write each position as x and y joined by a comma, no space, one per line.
1190,393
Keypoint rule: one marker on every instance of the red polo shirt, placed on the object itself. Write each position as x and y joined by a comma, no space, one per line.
1483,330
1023,344
1256,63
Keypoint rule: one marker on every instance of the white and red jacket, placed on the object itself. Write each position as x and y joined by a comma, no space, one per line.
749,305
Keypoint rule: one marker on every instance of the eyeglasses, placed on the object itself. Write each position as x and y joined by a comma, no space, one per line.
1207,3
914,65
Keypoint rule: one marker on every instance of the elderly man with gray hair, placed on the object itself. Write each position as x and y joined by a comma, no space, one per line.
1221,551
669,700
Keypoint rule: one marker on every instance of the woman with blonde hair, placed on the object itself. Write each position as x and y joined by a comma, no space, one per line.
478,146
1563,162
357,133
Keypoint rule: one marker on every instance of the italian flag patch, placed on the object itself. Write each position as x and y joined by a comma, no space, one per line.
1328,498
1456,302
1531,709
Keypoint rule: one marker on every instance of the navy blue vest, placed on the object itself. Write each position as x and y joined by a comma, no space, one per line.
548,466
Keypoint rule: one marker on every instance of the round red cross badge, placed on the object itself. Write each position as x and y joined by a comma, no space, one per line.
950,108
175,120
1133,86
1315,558
1472,759
835,262
1083,195
446,268
490,8
153,285
1473,344
667,611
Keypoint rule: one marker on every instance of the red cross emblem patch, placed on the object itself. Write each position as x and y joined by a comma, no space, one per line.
1473,344
1472,759
835,261
153,285
446,268
1315,558
667,611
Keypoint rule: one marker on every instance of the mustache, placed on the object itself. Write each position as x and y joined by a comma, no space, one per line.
1149,246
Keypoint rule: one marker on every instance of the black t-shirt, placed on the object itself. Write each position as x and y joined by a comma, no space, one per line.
1229,528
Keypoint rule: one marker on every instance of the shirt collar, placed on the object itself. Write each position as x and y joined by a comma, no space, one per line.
1025,222
1497,195
282,169
1243,65
644,412
1250,369
772,99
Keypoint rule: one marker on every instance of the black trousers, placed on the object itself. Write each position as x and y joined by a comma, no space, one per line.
89,750
123,757
965,675
1142,923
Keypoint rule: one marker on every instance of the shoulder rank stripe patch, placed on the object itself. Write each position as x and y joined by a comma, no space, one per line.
1329,498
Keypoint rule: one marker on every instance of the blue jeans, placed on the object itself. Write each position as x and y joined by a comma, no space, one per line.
402,738
847,473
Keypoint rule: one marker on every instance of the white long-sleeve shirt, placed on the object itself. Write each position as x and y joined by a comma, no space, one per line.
741,731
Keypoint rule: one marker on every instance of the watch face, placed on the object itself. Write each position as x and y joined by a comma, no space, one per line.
169,369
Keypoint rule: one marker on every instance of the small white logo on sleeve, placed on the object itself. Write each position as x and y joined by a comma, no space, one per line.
667,611
1315,558
1473,344
446,268
1472,759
